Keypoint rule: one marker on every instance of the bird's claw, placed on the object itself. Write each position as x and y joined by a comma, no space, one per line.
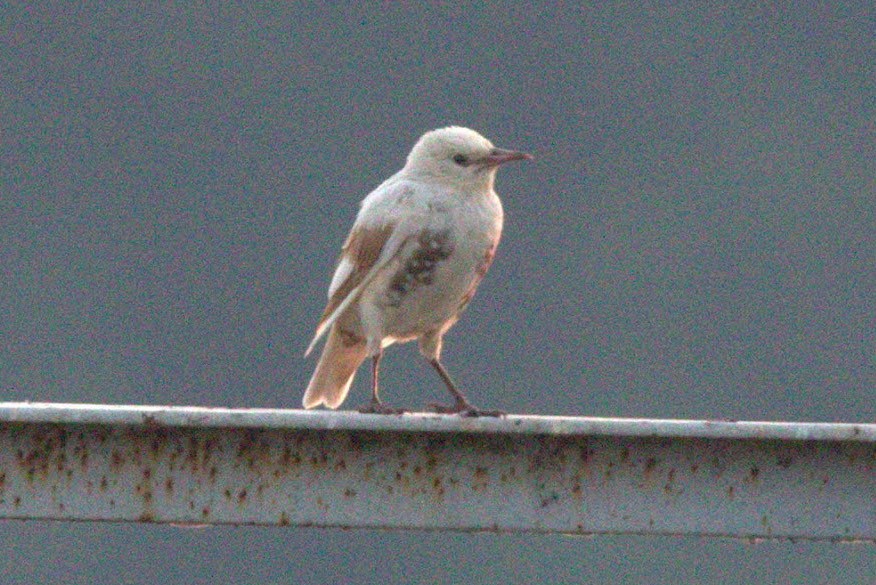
464,409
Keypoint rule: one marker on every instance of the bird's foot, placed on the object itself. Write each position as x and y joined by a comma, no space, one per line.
377,407
464,409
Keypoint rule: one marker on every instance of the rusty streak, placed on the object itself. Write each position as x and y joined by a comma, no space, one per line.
441,472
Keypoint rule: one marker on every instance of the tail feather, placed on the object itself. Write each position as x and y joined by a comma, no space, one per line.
334,373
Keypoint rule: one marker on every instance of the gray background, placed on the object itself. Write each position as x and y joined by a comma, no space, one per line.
694,239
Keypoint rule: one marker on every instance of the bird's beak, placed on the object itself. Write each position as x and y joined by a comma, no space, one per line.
500,156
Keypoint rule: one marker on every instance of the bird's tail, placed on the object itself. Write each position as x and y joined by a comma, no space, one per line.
340,359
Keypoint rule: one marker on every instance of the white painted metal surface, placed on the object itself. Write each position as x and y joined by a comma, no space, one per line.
517,473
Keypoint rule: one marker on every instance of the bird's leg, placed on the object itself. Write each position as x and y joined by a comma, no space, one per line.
376,406
462,407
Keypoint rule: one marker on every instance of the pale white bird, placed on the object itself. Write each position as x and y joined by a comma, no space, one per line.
421,244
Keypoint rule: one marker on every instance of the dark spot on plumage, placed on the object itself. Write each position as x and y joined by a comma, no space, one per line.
432,249
348,338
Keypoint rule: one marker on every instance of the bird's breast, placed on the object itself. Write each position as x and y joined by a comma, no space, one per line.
437,270
437,276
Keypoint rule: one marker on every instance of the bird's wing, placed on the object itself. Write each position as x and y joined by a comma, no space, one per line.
388,219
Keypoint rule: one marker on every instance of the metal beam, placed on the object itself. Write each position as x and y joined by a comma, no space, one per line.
516,473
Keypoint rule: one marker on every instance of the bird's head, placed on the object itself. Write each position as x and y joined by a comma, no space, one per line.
460,157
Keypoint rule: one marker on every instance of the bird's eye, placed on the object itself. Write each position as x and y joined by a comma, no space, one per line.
460,159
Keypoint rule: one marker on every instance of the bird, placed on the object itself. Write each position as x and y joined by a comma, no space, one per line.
421,243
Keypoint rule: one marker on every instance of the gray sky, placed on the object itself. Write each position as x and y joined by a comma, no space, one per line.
694,239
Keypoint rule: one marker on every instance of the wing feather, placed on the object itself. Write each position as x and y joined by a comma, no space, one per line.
383,226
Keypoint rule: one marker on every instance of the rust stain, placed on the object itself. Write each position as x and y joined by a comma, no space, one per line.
670,480
288,458
193,457
47,451
549,499
149,420
144,488
716,463
284,519
753,474
481,478
116,460
97,435
156,444
254,449
438,487
174,455
319,461
61,461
